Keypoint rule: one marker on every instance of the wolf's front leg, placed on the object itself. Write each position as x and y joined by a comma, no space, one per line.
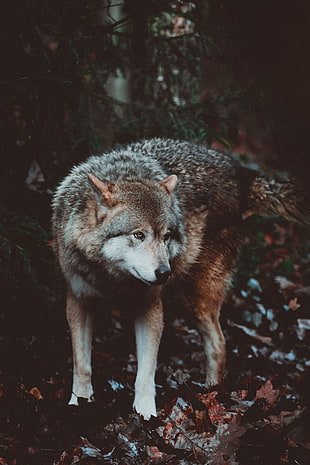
80,323
148,328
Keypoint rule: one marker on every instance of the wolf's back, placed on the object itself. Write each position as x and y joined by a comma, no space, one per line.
206,176
284,197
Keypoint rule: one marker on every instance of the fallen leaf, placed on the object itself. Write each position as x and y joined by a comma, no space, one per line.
216,410
293,304
267,392
283,282
62,459
303,290
130,445
303,323
253,333
89,450
154,453
82,453
35,393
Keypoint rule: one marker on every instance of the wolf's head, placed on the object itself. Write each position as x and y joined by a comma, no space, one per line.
140,224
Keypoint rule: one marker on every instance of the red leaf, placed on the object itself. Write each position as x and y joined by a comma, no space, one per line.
267,392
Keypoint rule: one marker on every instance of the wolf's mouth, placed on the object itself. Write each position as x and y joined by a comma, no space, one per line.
148,283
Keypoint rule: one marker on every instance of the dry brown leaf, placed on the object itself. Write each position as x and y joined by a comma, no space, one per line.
35,393
293,304
267,392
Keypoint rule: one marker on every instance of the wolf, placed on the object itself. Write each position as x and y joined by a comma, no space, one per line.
139,222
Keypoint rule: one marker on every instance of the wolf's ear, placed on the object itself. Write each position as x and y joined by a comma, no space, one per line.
169,183
103,188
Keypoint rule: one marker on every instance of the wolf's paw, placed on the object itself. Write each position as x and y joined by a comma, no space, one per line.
210,382
77,400
145,406
212,378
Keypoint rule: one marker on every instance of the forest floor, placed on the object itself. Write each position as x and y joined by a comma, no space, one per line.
259,416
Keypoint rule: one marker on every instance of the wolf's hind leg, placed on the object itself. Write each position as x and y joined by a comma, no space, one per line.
214,343
206,297
148,329
81,325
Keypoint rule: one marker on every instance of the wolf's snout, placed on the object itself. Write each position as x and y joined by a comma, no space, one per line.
162,273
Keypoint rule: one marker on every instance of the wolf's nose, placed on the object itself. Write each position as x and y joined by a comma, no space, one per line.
162,273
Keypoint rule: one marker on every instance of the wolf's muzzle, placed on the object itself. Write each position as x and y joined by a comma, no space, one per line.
162,273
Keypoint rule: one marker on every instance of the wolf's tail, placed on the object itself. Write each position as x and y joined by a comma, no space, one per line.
284,197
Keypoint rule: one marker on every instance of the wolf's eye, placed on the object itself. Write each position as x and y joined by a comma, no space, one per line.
139,235
167,236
